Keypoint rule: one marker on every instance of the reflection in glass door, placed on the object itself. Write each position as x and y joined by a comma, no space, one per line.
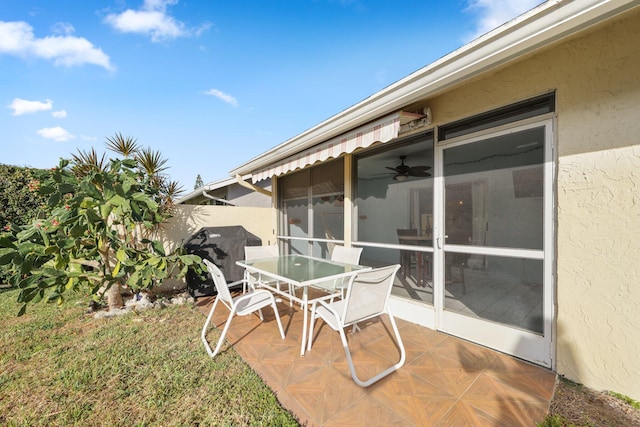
394,212
494,241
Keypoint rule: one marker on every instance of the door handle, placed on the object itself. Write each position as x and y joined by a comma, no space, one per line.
438,242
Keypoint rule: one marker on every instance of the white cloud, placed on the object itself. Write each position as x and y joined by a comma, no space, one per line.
56,133
63,28
23,106
152,20
88,138
160,5
223,96
61,114
17,38
493,13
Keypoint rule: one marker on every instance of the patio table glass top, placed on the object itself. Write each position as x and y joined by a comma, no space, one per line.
300,270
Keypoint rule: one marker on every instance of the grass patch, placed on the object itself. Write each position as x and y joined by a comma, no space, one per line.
61,367
626,399
574,405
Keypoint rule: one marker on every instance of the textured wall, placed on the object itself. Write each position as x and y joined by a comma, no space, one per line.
599,210
190,218
597,79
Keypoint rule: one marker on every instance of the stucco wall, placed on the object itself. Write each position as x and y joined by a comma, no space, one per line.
188,219
597,79
241,196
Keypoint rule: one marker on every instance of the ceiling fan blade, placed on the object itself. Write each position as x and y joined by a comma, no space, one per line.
419,171
392,169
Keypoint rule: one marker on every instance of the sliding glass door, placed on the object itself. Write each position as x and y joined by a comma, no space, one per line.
493,240
469,219
394,215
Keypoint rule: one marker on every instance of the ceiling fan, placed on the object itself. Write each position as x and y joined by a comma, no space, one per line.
402,171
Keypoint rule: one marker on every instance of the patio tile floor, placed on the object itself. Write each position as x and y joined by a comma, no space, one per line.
445,381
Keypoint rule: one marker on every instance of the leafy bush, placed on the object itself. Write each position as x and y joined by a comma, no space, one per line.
18,205
99,233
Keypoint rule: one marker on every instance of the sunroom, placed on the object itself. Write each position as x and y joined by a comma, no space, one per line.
460,207
492,176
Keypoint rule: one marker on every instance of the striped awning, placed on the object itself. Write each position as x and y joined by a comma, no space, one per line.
382,130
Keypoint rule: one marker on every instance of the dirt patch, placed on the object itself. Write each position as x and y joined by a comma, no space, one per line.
577,405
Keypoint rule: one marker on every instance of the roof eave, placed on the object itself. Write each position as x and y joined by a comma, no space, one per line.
207,187
544,25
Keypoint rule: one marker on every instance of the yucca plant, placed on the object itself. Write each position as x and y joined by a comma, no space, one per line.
101,232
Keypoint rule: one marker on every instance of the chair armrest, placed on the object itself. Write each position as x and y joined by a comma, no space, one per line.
237,282
334,323
326,297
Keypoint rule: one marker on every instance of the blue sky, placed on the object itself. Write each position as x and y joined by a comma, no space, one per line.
211,84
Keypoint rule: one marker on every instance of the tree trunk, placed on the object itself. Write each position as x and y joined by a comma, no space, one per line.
114,296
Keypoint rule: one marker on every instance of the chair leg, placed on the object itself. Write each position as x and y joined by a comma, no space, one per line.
203,335
290,288
222,335
291,292
404,263
275,311
311,325
382,374
224,332
464,285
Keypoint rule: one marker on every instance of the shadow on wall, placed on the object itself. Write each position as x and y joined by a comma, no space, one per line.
180,226
567,363
188,219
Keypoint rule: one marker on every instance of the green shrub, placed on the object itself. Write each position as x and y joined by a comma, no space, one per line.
18,205
100,229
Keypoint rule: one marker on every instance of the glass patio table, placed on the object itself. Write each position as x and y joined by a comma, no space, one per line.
301,272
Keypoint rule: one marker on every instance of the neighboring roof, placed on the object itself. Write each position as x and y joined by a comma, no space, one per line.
546,24
225,182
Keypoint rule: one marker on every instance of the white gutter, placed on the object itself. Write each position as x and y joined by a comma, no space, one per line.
217,199
208,187
548,23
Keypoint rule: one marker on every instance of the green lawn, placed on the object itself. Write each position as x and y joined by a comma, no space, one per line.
61,367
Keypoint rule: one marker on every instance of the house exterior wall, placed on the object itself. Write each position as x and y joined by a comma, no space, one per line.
234,193
241,196
597,83
188,219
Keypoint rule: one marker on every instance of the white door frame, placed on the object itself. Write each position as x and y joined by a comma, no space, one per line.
530,346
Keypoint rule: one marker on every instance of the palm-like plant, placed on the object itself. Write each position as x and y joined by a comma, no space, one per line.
85,162
126,146
172,189
102,228
151,161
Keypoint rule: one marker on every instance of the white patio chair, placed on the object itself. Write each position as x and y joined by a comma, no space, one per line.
241,305
367,297
344,254
256,252
347,255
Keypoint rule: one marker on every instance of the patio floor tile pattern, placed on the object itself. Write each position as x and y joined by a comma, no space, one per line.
445,381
